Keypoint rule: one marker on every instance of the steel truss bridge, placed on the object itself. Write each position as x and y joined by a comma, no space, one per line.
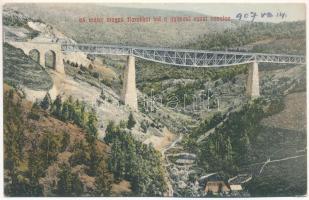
185,57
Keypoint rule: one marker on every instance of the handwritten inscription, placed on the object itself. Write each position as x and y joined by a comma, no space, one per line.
252,16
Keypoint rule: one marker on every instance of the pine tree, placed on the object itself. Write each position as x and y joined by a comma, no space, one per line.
49,146
69,184
77,119
93,160
65,112
131,164
80,154
91,139
57,107
72,111
228,148
117,160
13,134
110,127
91,127
110,132
245,149
65,140
70,99
140,178
83,115
103,180
65,183
35,171
77,104
46,102
77,186
131,121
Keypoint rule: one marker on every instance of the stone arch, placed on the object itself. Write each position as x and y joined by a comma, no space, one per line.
50,59
34,54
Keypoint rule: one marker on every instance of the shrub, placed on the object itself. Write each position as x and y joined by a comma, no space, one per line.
83,68
95,74
131,121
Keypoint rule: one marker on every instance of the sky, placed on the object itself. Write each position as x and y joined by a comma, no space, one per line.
289,11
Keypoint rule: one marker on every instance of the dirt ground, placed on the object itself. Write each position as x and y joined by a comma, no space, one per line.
121,188
160,143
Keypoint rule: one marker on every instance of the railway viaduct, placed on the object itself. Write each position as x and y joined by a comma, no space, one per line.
178,57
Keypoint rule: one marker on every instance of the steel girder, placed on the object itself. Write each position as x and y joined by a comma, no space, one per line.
185,57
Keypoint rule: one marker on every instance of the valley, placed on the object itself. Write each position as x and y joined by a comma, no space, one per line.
196,132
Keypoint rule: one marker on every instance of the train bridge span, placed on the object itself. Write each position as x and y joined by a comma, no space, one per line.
177,57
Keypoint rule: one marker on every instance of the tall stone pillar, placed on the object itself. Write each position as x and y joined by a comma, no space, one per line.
42,58
253,87
129,95
59,62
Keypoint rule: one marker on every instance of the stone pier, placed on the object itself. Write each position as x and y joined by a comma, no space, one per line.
253,88
129,95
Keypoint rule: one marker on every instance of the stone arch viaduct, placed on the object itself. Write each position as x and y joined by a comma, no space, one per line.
178,57
42,49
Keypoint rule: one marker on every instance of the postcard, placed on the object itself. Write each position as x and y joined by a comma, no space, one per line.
154,99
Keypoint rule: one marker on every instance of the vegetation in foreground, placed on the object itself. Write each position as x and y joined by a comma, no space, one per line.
60,137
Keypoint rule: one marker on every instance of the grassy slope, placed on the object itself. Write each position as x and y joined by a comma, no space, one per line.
293,117
20,69
285,178
65,17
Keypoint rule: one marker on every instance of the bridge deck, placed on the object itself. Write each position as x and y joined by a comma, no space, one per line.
185,57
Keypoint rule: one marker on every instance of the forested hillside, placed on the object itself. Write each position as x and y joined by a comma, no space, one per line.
51,149
285,37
